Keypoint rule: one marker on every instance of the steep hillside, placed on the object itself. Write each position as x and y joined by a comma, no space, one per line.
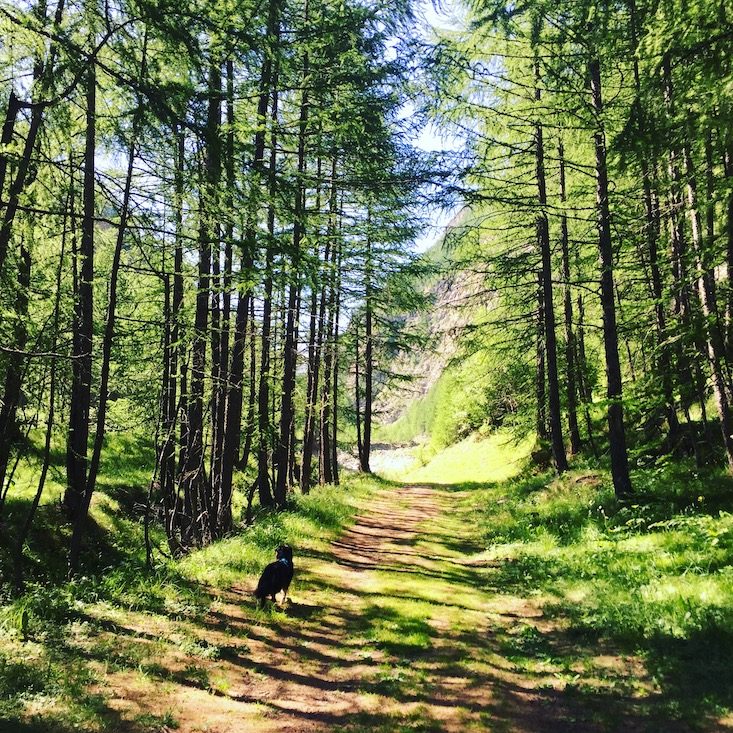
457,299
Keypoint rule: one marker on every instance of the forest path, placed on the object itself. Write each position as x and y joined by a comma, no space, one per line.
400,626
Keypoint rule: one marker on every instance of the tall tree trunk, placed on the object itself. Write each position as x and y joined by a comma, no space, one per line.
293,468
616,432
575,445
315,342
290,346
540,380
651,233
335,363
713,337
225,385
728,165
689,374
326,463
357,395
311,388
543,241
83,326
198,520
366,446
174,359
107,342
264,432
249,429
230,442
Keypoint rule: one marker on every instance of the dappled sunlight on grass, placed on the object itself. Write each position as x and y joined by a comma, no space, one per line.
65,647
504,600
315,519
652,577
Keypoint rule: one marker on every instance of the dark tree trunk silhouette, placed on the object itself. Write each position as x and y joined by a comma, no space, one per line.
570,356
366,443
83,325
196,525
290,342
616,430
543,241
107,342
540,379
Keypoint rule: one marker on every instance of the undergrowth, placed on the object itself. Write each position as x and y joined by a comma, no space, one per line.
653,576
59,639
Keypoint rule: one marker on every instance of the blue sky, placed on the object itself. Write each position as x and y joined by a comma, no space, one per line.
447,17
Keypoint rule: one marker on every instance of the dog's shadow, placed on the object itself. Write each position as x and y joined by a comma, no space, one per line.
303,611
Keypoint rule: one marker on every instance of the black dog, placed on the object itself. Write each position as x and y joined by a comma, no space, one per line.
276,576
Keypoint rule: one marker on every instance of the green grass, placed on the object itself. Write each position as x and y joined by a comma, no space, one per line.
498,457
654,577
312,521
59,639
651,579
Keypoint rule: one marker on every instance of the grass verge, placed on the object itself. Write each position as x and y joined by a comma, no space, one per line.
61,641
653,578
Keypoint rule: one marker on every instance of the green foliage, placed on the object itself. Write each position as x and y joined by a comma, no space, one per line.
497,457
59,639
653,575
480,392
310,520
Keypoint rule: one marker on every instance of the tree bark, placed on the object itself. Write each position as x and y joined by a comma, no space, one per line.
290,345
713,336
14,367
196,527
108,339
264,432
315,342
328,303
616,432
575,444
357,395
249,429
83,327
335,364
174,359
540,380
366,445
543,241
728,164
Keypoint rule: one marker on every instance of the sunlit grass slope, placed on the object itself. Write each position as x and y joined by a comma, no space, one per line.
496,458
653,577
314,520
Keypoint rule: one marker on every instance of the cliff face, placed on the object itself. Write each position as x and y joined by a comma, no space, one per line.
456,298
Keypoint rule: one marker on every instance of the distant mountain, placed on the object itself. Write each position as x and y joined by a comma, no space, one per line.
454,294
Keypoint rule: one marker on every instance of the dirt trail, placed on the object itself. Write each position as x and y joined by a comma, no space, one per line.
398,627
